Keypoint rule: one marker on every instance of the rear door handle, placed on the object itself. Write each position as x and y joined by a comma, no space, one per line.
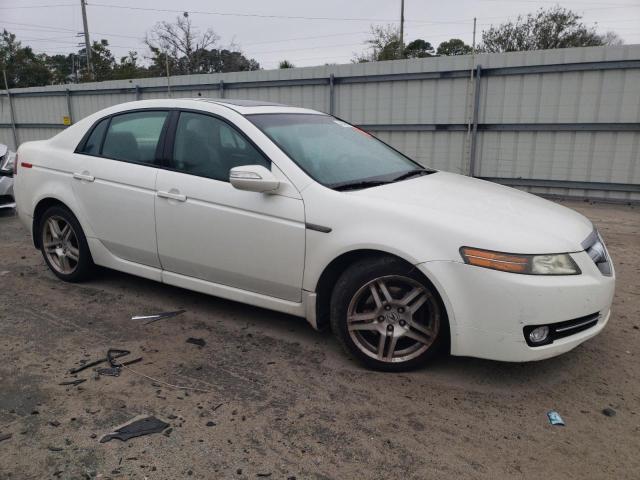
84,176
172,196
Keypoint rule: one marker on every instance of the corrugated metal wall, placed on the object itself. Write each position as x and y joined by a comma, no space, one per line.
563,122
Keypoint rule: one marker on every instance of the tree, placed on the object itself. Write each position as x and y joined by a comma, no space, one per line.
180,43
556,27
418,49
455,46
385,45
24,67
102,62
187,51
286,64
129,68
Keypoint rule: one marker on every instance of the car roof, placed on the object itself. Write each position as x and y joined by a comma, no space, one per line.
252,107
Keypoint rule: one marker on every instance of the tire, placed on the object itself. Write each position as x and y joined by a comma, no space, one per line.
68,256
387,315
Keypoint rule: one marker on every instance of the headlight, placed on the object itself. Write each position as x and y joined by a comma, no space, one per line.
554,264
6,164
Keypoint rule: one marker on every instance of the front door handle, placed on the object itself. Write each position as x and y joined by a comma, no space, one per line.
84,176
172,196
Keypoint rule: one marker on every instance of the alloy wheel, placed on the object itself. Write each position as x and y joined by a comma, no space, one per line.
393,319
60,245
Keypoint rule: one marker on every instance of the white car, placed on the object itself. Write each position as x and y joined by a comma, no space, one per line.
297,211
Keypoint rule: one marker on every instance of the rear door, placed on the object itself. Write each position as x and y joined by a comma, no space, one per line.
116,183
209,230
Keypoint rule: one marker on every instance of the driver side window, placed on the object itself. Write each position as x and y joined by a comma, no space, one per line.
209,147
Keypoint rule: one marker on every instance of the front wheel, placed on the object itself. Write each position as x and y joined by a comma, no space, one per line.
387,315
63,245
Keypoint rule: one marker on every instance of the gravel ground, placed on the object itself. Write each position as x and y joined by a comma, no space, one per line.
282,401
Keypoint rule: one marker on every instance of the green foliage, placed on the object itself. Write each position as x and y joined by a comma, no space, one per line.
455,46
556,27
384,44
24,67
188,51
418,49
286,64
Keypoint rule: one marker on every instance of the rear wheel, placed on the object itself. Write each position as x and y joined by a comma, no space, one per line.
387,315
63,245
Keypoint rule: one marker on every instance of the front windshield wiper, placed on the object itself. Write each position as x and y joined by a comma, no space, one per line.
359,184
411,173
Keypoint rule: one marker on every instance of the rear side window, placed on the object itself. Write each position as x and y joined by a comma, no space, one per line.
133,137
92,145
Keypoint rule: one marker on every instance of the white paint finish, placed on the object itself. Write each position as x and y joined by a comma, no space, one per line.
253,247
224,235
119,206
490,308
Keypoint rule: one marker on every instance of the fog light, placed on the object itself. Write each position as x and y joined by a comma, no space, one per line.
539,335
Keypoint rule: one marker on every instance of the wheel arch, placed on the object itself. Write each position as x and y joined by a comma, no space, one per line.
41,207
338,265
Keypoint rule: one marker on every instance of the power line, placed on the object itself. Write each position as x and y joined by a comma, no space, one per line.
39,6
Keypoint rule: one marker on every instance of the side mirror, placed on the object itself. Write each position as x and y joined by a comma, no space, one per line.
253,178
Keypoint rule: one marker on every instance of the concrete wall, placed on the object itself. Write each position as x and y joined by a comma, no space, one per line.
563,122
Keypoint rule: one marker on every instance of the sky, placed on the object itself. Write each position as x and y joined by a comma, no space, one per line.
305,32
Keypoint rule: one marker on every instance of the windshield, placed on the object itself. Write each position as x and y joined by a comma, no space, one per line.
333,152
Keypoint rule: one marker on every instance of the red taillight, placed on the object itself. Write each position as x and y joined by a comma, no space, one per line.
26,165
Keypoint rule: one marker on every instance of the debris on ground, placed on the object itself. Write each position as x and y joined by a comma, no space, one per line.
113,370
197,341
608,412
112,354
555,418
5,436
157,316
75,382
137,427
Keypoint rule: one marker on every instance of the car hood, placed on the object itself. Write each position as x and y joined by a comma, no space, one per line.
483,214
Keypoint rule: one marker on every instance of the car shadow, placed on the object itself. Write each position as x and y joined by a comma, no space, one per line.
445,369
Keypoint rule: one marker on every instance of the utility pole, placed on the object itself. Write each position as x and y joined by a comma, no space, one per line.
401,27
470,101
87,41
166,62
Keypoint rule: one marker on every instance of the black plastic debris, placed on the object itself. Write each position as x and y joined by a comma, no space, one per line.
157,316
114,369
197,341
73,382
136,428
608,412
112,354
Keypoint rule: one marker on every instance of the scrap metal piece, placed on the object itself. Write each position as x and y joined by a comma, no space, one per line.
137,427
157,316
555,418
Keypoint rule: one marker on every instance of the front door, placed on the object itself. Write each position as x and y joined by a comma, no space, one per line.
209,230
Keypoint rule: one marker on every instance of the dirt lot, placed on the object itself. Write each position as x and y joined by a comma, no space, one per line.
284,402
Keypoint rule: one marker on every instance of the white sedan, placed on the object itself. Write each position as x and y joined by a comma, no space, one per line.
297,211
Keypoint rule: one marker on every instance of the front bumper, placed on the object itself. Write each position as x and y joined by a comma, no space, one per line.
6,192
489,309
